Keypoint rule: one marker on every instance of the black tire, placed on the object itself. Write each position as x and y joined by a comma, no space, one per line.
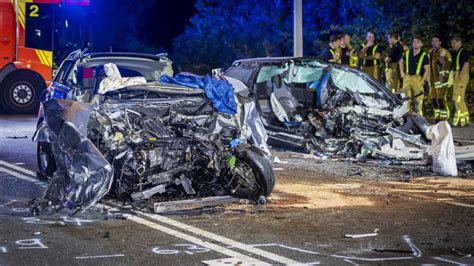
261,183
45,160
21,92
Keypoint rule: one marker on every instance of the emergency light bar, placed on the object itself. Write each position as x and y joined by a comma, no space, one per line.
67,2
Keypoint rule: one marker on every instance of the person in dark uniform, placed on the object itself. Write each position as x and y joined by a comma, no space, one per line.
395,52
331,53
345,49
415,70
370,56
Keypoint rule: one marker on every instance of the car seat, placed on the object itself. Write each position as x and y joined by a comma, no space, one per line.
284,104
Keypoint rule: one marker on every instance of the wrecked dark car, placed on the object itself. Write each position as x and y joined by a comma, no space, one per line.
329,109
108,125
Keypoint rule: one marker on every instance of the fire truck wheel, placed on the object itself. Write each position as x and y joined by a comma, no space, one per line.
21,93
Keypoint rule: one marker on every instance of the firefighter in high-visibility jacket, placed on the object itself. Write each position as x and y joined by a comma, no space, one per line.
370,55
415,70
460,81
345,49
331,53
441,61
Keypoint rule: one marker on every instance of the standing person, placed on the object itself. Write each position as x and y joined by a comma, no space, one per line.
460,82
346,49
370,56
331,53
392,69
415,70
441,62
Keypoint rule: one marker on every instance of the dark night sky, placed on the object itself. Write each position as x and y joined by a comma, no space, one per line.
106,23
166,21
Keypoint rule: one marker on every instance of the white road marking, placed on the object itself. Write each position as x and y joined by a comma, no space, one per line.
8,203
196,240
450,261
23,177
218,238
287,247
265,254
18,168
100,256
447,201
416,253
227,261
350,261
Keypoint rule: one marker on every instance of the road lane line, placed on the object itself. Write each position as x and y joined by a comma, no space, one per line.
218,238
438,200
18,168
10,202
195,240
164,229
23,177
450,261
99,256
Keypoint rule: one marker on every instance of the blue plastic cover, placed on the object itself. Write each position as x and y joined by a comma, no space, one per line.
219,92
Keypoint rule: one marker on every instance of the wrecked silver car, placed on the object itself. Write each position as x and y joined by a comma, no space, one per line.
329,109
108,125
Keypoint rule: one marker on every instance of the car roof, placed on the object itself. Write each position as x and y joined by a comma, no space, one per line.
274,59
82,54
125,54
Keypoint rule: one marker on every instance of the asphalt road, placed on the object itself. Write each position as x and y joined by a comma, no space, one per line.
408,229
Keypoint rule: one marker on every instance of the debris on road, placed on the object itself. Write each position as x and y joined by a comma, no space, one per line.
16,137
277,160
184,205
461,254
465,153
375,233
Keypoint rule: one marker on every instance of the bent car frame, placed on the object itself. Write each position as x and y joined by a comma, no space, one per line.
108,125
326,109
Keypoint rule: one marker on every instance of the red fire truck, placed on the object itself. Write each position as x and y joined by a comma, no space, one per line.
26,51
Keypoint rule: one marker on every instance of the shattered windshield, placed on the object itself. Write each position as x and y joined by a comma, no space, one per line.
344,79
313,71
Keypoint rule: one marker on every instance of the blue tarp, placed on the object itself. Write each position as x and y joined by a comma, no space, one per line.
219,92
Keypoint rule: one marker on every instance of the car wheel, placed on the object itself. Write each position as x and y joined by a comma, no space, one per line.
21,93
45,160
252,175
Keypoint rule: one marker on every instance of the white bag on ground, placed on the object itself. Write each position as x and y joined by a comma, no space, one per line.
442,149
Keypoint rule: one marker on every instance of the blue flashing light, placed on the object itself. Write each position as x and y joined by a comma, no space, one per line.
57,94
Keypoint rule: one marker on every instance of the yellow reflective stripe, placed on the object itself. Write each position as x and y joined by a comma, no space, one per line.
21,14
373,53
363,62
458,67
45,57
332,52
420,62
407,55
48,55
40,56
